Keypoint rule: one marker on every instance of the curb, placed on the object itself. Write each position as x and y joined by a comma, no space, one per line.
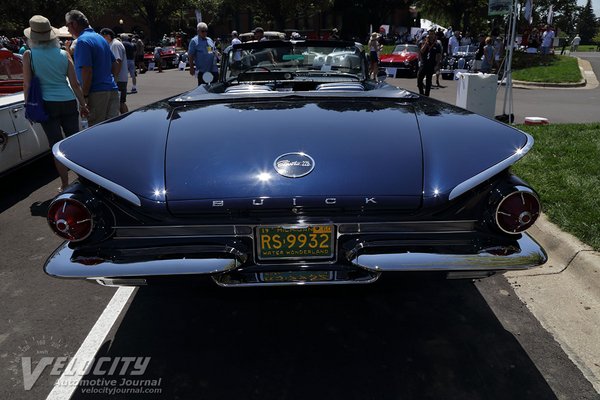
541,85
567,254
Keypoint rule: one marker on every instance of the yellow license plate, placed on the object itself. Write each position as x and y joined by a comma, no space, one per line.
295,243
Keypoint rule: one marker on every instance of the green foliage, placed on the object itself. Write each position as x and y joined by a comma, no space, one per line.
565,14
563,167
272,14
463,15
587,24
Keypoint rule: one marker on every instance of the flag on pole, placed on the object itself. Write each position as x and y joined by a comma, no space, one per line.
528,11
550,15
198,16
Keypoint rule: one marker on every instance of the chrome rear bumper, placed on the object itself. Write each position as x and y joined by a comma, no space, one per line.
62,264
226,268
528,254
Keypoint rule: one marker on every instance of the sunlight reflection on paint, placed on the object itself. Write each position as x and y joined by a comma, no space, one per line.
159,192
264,177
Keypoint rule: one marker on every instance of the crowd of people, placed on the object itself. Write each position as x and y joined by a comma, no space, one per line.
435,44
86,77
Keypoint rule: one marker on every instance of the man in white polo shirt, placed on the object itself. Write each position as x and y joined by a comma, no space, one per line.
119,70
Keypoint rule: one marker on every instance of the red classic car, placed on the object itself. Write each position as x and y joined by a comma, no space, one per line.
168,56
11,72
404,58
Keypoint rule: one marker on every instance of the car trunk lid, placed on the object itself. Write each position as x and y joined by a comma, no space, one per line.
225,156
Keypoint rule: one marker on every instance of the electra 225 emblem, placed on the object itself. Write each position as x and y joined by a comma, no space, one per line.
294,165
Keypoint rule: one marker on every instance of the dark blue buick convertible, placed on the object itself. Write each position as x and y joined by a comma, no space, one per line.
293,168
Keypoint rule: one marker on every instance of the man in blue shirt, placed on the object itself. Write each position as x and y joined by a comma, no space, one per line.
202,54
93,66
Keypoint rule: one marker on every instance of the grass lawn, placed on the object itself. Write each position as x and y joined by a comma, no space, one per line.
586,47
388,48
564,167
545,69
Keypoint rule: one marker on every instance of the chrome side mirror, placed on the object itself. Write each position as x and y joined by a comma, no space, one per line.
208,77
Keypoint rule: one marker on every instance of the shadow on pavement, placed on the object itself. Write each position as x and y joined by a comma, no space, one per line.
20,183
405,339
40,208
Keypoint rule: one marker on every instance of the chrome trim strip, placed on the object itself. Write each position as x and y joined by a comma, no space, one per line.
530,256
12,102
488,173
17,132
97,179
59,265
120,282
404,227
181,231
303,283
192,231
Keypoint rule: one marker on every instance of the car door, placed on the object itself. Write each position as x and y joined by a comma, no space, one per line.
10,154
32,139
20,140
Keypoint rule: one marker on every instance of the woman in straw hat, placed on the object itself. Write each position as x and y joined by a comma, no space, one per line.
53,67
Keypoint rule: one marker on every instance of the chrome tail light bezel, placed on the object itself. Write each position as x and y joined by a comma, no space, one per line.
64,200
102,219
526,218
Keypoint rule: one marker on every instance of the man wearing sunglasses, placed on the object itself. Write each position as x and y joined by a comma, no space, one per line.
203,55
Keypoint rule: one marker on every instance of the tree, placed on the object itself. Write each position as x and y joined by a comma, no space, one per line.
157,14
565,13
471,15
275,13
587,24
358,15
15,14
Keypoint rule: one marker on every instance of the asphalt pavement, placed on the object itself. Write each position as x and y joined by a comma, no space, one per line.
395,339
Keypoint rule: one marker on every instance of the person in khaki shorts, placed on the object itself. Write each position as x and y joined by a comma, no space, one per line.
93,66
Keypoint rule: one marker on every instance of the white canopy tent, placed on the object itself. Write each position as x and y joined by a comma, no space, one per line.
427,24
63,32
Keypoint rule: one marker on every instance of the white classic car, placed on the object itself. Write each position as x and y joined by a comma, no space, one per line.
20,140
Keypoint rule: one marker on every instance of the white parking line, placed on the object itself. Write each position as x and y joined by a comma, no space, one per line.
66,384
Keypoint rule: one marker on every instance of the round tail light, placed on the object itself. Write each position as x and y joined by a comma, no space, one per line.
518,211
70,219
